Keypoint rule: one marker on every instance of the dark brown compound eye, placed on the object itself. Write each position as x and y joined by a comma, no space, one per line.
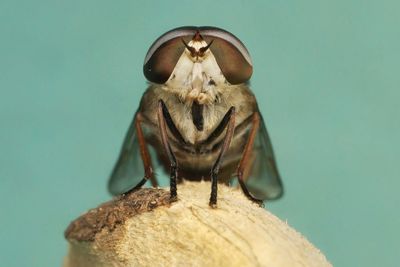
231,55
165,52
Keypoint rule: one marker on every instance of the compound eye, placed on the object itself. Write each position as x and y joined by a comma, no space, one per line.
164,53
231,55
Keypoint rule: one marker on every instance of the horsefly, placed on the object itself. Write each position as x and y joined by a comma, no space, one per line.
198,119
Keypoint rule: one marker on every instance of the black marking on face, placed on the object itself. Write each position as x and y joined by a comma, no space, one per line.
211,82
197,115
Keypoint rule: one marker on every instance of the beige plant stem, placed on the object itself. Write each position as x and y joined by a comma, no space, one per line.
143,229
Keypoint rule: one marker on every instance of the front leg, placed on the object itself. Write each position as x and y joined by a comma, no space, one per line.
164,118
230,115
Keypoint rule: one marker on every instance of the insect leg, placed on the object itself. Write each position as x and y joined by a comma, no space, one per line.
215,169
163,115
144,153
244,162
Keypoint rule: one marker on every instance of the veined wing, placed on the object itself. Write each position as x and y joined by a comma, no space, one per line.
128,171
263,180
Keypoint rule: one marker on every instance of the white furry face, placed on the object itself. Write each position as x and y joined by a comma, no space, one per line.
196,78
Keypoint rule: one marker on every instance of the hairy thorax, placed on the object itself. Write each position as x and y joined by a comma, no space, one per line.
194,153
180,110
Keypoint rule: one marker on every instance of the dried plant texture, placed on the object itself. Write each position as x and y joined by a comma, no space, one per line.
143,229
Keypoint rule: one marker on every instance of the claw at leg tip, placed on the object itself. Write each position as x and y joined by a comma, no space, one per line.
213,204
173,198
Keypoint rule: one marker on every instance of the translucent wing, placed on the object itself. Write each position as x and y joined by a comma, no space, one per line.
263,180
128,172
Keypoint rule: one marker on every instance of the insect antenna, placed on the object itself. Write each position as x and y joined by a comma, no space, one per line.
204,49
191,49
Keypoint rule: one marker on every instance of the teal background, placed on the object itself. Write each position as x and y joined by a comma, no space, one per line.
326,74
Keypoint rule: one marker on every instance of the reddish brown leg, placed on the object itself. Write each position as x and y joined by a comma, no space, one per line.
244,164
215,169
144,154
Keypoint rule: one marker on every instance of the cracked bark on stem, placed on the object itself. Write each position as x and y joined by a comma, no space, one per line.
143,229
